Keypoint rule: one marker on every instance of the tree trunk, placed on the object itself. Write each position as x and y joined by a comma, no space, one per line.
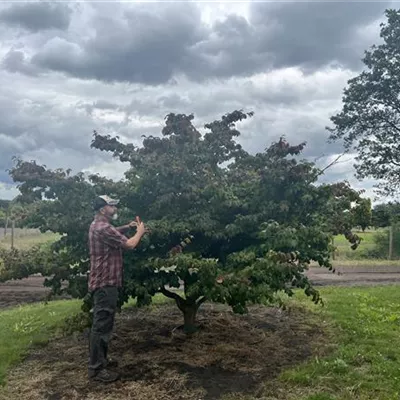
188,306
189,317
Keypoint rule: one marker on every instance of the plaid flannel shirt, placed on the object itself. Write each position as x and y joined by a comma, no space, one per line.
105,245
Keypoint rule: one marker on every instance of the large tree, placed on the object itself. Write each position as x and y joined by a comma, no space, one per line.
229,226
370,118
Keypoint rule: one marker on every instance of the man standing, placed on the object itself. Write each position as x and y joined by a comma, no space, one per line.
106,269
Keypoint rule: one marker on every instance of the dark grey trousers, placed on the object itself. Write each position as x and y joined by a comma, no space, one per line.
104,307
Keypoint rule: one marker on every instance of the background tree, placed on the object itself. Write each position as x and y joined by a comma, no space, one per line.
231,227
363,214
370,117
387,240
383,215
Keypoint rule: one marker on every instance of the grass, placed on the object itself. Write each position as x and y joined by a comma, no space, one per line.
367,245
28,325
25,242
365,328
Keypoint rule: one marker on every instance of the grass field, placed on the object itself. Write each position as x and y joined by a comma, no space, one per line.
344,252
365,328
24,242
28,325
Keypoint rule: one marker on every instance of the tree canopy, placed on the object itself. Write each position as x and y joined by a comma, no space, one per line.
230,226
370,118
384,215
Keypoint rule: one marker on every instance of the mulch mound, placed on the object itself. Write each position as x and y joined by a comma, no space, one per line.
229,355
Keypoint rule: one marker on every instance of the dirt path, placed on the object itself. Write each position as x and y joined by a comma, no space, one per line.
31,289
355,276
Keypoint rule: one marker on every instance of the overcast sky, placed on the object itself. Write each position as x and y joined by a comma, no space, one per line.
69,68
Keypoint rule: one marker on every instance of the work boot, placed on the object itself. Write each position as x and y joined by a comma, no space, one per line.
105,376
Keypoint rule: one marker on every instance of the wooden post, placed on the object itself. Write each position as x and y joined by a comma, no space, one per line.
12,233
390,242
5,227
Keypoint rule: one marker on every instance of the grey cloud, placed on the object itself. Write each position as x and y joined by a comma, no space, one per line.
312,34
280,34
53,135
136,45
143,44
16,61
37,16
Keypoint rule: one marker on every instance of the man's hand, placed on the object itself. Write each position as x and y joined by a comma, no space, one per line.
133,224
140,227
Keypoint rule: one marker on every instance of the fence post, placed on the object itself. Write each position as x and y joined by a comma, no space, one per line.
390,242
12,234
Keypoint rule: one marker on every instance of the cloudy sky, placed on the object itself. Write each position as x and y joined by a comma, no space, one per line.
67,68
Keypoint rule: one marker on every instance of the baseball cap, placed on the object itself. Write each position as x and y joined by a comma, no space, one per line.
104,200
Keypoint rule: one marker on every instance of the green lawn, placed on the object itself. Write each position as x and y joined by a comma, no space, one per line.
25,242
28,325
365,327
344,252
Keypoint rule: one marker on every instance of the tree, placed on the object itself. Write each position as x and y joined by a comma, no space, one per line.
232,227
363,214
370,118
383,215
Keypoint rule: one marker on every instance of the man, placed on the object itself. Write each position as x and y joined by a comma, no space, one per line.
106,268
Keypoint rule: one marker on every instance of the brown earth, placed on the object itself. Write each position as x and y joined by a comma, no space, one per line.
230,355
28,290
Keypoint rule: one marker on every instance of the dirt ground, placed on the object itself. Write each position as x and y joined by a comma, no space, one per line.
230,354
29,290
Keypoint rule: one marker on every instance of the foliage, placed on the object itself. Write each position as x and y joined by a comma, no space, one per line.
232,227
363,214
370,116
382,242
384,215
3,217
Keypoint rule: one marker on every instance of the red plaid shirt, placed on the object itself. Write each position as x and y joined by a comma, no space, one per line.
105,244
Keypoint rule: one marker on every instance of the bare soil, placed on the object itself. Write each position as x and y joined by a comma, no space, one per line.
355,276
28,290
230,355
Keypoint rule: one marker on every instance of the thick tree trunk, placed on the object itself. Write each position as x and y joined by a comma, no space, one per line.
189,317
188,307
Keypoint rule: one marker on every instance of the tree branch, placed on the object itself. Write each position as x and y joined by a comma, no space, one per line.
200,301
172,295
